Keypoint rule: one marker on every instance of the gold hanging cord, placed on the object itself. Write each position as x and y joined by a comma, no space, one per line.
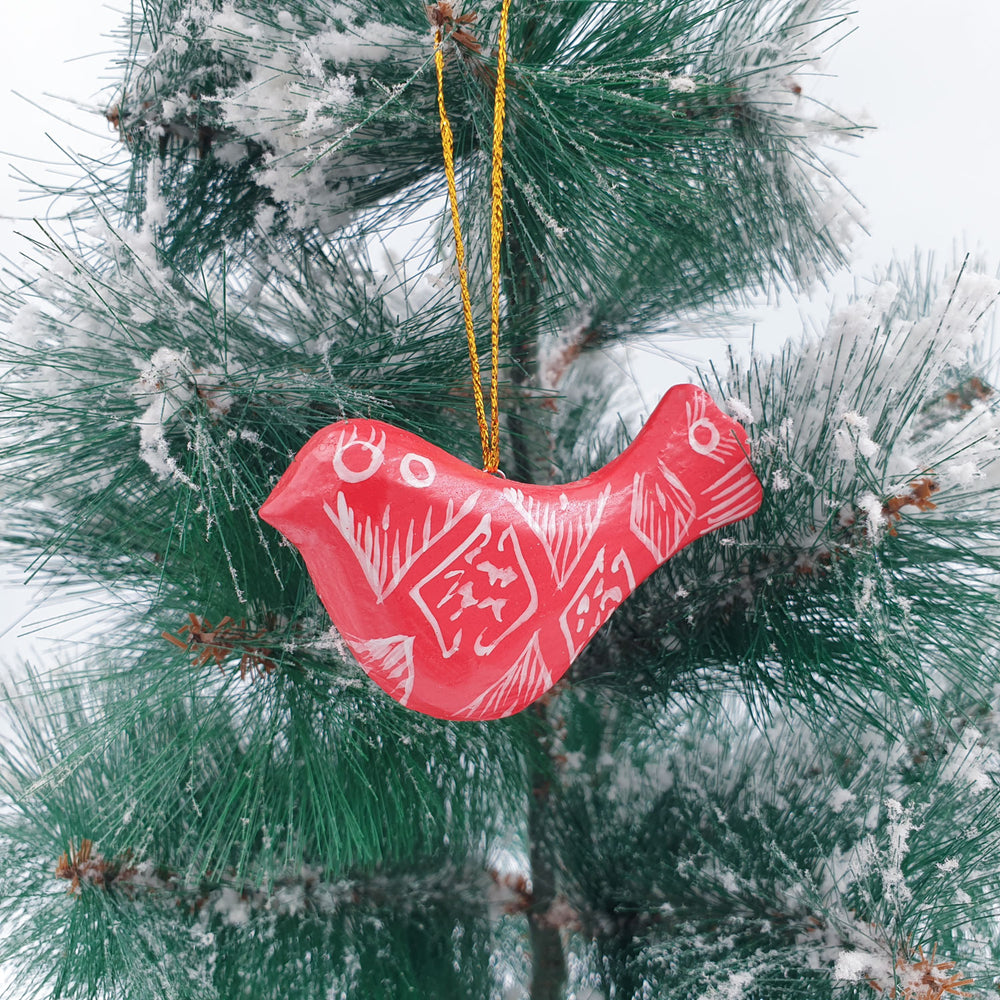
489,432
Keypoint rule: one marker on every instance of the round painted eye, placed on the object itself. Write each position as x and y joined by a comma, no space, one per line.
376,454
703,436
420,477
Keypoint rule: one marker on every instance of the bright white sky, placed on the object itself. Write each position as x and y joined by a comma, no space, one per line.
929,77
924,73
54,64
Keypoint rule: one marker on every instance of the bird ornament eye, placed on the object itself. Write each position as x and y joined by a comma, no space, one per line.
417,471
356,459
704,436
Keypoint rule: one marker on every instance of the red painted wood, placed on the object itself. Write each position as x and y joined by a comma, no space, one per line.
466,595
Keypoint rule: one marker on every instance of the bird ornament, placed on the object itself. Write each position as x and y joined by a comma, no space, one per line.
465,595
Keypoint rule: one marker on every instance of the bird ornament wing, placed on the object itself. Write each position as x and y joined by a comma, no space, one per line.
467,596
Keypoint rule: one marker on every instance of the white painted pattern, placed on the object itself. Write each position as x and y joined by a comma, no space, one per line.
621,566
526,679
733,495
421,482
662,511
598,594
564,537
375,451
695,438
722,448
391,658
468,582
385,554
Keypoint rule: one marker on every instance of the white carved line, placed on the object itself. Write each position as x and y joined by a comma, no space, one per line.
484,532
638,517
619,563
371,544
527,679
573,645
510,534
735,508
733,499
343,520
722,447
684,508
391,658
651,520
376,453
717,489
564,540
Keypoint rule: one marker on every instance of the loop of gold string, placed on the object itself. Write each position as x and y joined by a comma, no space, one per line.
489,432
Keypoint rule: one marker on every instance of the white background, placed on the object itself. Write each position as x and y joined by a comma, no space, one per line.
925,73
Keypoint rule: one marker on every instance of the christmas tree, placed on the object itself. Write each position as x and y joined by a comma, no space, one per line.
774,772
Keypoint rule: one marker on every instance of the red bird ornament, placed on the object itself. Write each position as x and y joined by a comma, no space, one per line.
467,596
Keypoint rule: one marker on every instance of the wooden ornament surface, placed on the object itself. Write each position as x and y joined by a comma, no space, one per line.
467,596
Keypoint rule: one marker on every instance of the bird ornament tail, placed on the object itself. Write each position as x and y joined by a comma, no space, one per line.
467,596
